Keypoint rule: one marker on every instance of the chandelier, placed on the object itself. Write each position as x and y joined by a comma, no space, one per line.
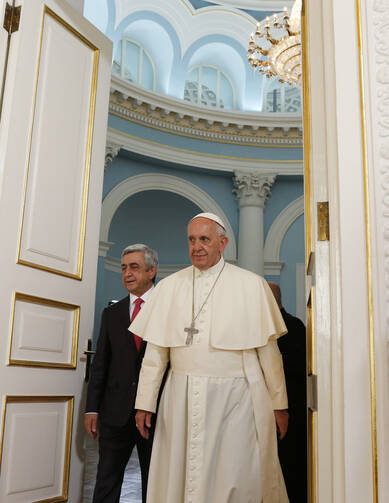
275,47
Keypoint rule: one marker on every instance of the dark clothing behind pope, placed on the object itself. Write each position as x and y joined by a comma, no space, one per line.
292,450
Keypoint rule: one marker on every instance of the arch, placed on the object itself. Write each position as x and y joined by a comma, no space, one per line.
279,227
220,71
155,181
143,50
233,59
169,58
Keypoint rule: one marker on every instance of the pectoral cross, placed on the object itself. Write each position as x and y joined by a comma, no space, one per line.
191,331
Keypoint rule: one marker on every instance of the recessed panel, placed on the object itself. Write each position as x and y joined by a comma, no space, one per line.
36,448
53,227
44,332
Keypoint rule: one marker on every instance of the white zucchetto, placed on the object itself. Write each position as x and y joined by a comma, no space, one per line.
210,216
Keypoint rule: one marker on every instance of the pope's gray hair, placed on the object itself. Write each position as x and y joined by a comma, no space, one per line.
221,232
150,256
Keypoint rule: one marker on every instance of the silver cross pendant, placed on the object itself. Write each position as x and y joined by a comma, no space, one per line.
190,331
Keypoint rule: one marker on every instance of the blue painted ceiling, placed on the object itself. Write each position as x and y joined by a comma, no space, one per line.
256,14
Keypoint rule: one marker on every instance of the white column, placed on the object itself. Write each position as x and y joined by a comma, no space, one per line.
252,190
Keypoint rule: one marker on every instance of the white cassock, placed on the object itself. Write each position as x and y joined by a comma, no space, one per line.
215,438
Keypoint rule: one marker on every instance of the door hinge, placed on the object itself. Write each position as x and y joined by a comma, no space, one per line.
323,222
11,18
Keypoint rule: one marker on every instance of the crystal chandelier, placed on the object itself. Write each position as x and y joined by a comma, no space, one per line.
275,47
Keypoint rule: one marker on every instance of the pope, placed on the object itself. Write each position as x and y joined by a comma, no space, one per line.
225,397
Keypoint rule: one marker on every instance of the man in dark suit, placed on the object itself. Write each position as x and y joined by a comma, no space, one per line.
292,450
114,379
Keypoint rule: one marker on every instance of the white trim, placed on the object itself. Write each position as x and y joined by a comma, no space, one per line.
191,24
301,306
200,159
155,181
279,227
209,131
242,118
104,247
273,268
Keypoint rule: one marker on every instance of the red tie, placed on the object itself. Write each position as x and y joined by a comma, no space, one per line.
137,339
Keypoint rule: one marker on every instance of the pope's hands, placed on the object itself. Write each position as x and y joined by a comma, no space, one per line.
143,422
90,422
282,421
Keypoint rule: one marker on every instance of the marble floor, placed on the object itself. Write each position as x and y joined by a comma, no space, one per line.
131,488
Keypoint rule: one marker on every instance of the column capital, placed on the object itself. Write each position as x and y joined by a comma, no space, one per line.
252,188
111,151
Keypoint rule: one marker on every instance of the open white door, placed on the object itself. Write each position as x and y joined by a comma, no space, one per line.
52,144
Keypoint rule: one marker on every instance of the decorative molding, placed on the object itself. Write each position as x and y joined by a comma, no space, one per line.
279,227
104,247
111,151
201,159
191,24
380,102
181,117
252,189
113,264
273,268
155,181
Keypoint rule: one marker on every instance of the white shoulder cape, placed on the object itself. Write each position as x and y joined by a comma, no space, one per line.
244,313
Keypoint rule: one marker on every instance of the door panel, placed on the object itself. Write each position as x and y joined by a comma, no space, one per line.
52,143
52,238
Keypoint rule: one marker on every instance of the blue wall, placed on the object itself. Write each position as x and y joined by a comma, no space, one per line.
156,218
292,252
218,184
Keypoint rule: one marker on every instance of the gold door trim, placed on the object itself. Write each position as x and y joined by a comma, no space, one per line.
312,415
373,388
68,439
72,364
81,243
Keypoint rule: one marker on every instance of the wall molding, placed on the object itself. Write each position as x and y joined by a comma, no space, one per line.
156,181
113,264
166,113
279,227
200,159
104,247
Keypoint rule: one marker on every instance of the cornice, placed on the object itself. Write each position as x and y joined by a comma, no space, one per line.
204,160
180,117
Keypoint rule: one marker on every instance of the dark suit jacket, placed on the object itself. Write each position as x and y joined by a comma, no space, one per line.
293,349
115,368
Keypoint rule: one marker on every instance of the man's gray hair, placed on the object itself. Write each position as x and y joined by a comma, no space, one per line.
150,256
